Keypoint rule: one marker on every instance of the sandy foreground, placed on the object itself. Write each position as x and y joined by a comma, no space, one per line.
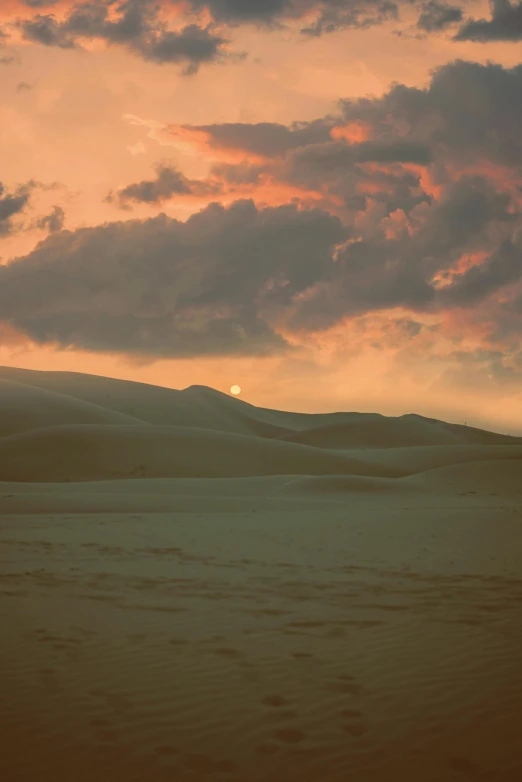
248,595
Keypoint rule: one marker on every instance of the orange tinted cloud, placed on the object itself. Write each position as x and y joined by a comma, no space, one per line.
396,224
427,179
446,277
504,178
17,9
272,192
353,132
195,141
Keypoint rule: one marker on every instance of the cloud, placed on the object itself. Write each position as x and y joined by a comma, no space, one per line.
334,16
160,287
468,114
437,16
505,24
431,177
131,23
239,141
54,221
40,3
144,26
13,205
501,268
325,16
418,208
169,182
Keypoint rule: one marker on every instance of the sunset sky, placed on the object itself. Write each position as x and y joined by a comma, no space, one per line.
317,200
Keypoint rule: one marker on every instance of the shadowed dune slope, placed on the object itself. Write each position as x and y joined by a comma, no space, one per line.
85,452
203,407
93,452
58,427
375,432
196,406
24,407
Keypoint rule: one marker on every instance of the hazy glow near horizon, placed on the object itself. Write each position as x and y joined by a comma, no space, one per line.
236,390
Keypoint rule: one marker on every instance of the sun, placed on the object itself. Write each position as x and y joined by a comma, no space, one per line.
236,390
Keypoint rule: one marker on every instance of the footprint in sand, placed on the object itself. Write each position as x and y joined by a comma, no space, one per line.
462,765
344,685
355,729
352,723
267,749
289,735
274,700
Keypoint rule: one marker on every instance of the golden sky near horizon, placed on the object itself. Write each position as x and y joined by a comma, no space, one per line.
317,200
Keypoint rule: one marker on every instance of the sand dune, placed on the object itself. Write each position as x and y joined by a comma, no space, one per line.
24,407
196,406
62,427
94,452
203,407
374,432
377,431
196,589
87,452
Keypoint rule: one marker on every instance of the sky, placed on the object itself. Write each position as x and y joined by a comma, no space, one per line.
317,200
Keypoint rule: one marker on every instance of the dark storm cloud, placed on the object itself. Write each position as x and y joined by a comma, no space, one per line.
376,273
137,26
460,219
54,221
12,205
437,16
396,152
470,110
221,282
165,288
502,268
266,139
40,3
334,16
340,169
237,11
169,182
327,15
505,24
46,30
429,184
470,116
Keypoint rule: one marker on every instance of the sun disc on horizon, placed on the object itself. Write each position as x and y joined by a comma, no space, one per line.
236,390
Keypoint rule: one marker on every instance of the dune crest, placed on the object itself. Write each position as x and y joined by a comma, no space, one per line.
63,429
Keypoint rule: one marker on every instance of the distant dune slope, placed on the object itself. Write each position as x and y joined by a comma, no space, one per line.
60,427
86,452
94,452
197,406
24,407
375,432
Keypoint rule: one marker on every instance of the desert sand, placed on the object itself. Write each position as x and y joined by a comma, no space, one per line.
193,588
